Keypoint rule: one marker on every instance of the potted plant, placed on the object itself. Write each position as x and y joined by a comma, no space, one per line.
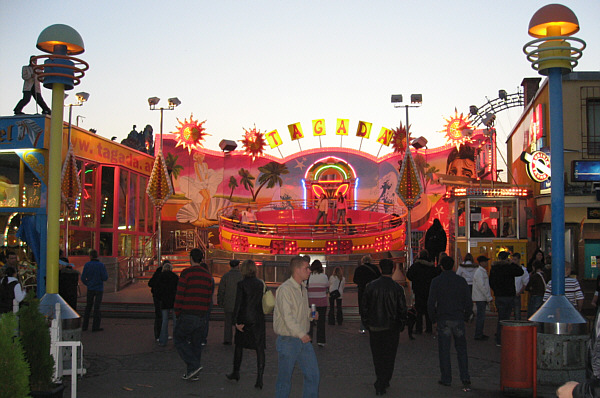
35,338
14,370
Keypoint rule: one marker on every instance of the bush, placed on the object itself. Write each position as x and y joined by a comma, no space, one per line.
14,371
35,338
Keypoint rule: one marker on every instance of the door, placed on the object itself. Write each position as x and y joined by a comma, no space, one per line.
592,258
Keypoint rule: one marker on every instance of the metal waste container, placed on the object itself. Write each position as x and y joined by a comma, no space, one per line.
518,366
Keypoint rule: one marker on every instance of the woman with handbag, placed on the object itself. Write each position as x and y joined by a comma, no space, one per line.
249,321
336,291
317,286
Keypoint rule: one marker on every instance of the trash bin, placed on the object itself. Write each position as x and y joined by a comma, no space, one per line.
518,360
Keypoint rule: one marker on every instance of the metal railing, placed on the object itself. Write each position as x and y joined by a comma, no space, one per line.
392,218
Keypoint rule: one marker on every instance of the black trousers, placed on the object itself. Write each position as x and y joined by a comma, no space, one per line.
333,313
94,299
320,324
384,345
421,307
27,97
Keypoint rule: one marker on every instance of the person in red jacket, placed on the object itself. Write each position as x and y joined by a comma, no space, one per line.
192,301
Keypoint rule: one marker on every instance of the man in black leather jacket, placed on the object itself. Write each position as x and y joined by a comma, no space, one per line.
364,273
384,313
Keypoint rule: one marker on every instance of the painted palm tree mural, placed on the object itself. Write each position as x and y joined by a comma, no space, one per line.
172,166
270,176
247,180
426,170
233,184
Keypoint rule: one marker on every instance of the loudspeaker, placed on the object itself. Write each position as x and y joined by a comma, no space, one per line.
227,145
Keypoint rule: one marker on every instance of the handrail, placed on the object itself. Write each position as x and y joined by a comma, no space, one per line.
388,221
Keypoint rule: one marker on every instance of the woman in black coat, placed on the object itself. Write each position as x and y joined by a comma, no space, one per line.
249,321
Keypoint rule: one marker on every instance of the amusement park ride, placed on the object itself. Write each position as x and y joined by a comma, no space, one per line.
454,183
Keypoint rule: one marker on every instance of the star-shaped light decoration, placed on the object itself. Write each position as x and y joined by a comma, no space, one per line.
399,139
190,134
70,183
457,128
253,142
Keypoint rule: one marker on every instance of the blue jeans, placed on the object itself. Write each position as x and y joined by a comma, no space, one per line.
504,306
164,330
447,330
517,307
291,350
188,338
480,319
535,302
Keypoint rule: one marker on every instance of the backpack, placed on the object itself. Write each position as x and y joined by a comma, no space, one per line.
7,295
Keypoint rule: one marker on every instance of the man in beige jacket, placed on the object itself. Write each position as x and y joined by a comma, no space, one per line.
291,322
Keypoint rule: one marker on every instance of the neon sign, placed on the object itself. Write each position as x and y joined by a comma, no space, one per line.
253,142
190,134
536,127
455,129
538,165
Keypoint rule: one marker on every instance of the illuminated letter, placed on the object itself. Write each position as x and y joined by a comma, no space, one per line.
341,128
385,136
364,130
273,139
318,127
295,131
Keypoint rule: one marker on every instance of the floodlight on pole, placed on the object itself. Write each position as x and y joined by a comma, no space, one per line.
416,101
172,104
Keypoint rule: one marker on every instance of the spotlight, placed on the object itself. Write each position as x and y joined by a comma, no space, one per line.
419,143
416,98
473,110
153,101
82,96
488,119
173,102
396,98
502,94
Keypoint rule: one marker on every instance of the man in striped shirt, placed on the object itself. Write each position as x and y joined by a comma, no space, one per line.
192,301
573,290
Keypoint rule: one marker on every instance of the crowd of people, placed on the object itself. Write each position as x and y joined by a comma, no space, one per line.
445,295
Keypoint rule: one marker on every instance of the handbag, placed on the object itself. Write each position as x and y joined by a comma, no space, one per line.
335,294
268,300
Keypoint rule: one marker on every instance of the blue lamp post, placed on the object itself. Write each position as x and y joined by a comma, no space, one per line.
553,54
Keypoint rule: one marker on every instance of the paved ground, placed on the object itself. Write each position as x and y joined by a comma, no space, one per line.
124,361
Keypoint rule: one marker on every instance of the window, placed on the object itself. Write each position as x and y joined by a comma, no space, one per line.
107,198
89,195
593,125
123,198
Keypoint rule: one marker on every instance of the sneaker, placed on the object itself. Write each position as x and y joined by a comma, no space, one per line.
321,344
443,383
466,386
482,338
362,331
190,375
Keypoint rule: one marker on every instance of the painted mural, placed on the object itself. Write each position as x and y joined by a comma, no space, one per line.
207,181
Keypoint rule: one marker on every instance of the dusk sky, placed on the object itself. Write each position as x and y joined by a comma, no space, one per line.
273,63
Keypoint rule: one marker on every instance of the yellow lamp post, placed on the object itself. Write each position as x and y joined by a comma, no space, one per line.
59,72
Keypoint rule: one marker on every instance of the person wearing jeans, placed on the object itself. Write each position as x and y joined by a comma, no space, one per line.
166,288
502,282
192,301
449,305
291,322
481,295
93,277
